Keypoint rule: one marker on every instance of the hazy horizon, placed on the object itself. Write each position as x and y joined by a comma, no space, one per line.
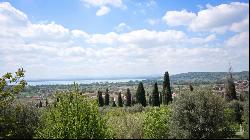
122,38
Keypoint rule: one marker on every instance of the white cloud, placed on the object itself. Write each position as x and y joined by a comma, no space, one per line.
50,50
176,18
102,11
104,5
122,27
217,19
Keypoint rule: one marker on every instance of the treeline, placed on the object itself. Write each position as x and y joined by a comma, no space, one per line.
155,99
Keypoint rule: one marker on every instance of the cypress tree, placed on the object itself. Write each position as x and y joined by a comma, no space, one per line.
100,99
40,104
113,104
167,95
230,88
150,100
46,102
106,97
120,100
155,96
128,98
140,95
160,97
191,87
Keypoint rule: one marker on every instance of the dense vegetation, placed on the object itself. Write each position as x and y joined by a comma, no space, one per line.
194,113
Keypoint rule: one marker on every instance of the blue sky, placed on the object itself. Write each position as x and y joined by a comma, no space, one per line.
116,38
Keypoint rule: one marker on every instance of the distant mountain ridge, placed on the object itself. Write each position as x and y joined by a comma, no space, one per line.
208,76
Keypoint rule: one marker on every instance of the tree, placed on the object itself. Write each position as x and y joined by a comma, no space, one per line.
230,93
113,104
167,95
128,98
150,100
100,99
160,97
10,86
155,96
200,115
78,118
191,87
120,104
46,102
107,97
140,95
40,104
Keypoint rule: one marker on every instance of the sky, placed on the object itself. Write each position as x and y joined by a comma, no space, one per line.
55,39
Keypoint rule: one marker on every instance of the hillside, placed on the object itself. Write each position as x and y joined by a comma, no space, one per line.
207,77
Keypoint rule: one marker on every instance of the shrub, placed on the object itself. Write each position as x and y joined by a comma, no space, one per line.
199,114
156,123
74,116
125,125
20,120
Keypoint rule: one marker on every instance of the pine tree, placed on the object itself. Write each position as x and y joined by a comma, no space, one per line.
107,97
128,98
167,95
191,87
155,96
230,88
140,95
100,99
120,100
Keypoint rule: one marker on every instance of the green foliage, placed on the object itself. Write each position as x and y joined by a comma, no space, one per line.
100,99
156,123
246,120
120,103
106,97
167,95
113,104
20,120
237,107
10,86
230,88
125,125
74,116
128,98
155,96
199,114
140,95
191,87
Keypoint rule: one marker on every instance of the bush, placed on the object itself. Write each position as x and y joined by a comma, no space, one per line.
20,120
156,123
74,116
199,114
125,125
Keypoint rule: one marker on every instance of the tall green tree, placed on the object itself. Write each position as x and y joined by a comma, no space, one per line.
191,87
140,95
160,97
167,95
106,97
155,96
128,98
100,99
120,104
230,93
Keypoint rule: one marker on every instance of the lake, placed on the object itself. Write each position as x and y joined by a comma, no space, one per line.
67,82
